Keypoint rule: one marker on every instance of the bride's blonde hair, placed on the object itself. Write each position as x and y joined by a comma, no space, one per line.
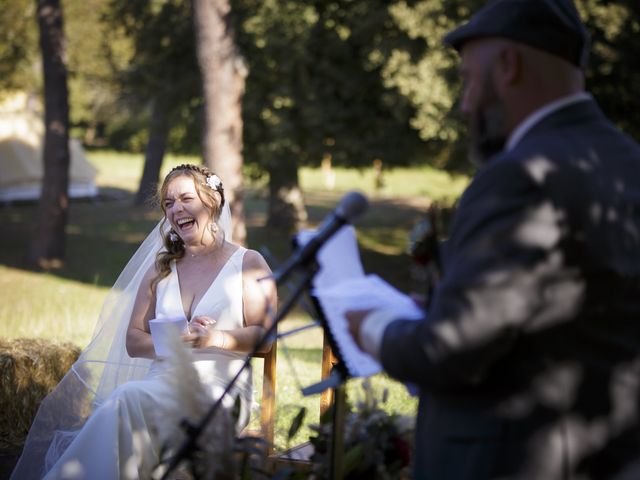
211,194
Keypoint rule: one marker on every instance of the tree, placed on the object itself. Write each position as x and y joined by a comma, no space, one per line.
18,46
161,76
430,80
613,73
97,51
48,243
316,91
353,116
223,78
274,40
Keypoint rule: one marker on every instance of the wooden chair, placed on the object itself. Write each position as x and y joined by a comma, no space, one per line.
268,401
328,361
297,456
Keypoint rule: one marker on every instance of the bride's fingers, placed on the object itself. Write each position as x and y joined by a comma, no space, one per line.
197,327
197,337
204,321
189,338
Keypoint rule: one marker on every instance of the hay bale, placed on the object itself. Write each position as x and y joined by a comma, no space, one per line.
29,370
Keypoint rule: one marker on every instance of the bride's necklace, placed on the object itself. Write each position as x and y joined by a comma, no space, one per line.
203,254
198,255
207,252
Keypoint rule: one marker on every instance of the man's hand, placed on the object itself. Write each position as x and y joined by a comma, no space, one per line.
355,319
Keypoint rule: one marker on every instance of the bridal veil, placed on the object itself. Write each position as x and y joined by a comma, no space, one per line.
101,367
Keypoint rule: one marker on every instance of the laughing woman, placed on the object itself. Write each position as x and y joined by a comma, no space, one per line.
187,268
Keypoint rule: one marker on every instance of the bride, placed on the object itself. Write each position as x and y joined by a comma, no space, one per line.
103,419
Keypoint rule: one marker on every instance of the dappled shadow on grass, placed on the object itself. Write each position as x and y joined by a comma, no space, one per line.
101,237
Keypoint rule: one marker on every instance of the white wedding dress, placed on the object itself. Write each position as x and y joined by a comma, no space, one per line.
119,439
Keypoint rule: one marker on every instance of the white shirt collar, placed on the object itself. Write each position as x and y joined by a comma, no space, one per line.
542,112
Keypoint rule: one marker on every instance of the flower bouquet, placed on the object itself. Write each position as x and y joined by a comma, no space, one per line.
377,445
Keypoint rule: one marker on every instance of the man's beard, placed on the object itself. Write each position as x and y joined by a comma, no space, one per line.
487,127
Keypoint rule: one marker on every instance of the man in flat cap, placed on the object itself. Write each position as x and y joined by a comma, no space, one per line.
528,358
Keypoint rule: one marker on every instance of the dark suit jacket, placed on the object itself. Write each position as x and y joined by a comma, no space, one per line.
529,358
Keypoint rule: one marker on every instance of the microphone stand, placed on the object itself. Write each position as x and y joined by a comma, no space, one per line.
335,381
189,446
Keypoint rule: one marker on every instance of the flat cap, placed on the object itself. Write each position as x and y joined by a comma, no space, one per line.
553,26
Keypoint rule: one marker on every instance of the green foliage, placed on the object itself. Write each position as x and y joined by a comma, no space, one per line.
315,90
162,70
94,50
425,78
613,65
272,37
428,79
428,182
18,46
349,80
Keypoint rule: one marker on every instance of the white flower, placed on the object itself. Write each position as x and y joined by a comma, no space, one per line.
214,181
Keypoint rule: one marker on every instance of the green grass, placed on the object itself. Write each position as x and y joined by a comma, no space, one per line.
63,304
46,306
122,170
426,182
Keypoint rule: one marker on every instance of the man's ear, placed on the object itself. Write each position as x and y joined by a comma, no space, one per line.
508,65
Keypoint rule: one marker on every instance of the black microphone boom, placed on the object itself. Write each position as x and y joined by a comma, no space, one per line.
351,206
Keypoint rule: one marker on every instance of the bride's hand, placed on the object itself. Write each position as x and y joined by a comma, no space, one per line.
199,333
202,321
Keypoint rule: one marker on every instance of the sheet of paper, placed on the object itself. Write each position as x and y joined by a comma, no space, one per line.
339,258
370,292
164,328
342,285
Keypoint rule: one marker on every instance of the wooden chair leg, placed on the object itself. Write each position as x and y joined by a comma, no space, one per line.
328,361
268,407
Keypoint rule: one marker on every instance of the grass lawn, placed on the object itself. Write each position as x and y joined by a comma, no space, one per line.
63,305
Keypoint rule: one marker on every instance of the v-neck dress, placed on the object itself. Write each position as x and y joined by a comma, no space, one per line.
120,438
223,302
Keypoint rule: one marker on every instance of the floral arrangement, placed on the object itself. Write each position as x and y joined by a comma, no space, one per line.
377,445
214,181
423,248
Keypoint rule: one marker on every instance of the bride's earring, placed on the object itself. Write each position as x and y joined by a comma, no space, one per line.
173,236
213,226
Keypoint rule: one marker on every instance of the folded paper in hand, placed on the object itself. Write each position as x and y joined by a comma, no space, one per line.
164,328
342,285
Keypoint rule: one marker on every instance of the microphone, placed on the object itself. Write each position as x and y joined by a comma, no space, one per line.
351,206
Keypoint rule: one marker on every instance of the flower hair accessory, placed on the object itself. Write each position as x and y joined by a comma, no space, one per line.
214,181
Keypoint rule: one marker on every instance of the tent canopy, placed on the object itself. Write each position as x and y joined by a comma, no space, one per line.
21,164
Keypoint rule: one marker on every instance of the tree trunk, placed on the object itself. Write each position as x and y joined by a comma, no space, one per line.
286,202
223,76
154,154
48,244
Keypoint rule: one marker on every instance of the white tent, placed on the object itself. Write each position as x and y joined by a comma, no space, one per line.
21,165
